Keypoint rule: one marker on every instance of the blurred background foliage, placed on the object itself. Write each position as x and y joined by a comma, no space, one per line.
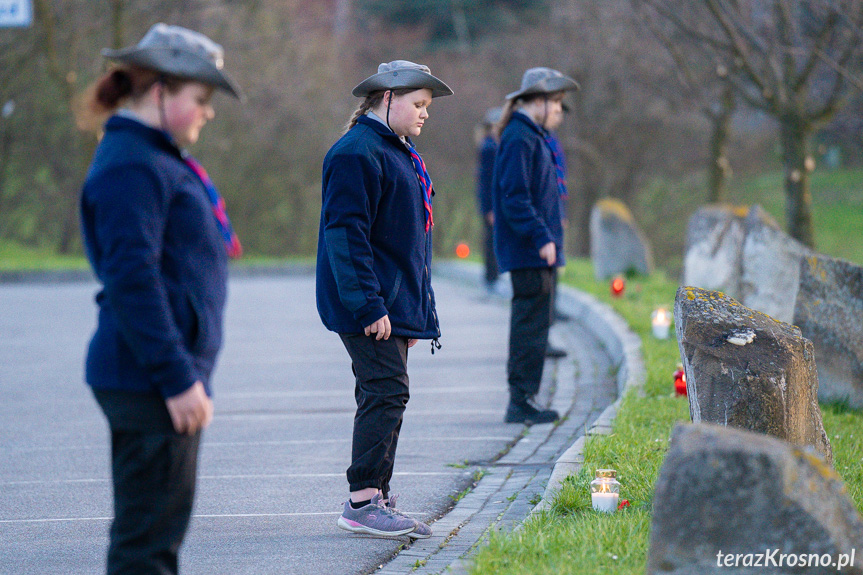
639,130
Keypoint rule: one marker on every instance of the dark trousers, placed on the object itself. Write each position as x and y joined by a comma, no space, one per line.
532,297
154,471
491,269
381,393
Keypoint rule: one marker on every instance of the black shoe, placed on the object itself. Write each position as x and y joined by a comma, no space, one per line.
528,414
554,352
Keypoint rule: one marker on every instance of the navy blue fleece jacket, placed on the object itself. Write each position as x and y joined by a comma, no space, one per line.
153,242
374,254
526,196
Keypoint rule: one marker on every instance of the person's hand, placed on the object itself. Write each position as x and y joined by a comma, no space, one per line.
381,327
412,342
548,252
191,410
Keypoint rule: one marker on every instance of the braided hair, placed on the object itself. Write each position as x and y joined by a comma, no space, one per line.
371,101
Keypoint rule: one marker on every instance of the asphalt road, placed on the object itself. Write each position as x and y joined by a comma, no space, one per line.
272,474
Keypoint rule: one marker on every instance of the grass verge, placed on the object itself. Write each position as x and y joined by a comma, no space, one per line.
570,538
17,257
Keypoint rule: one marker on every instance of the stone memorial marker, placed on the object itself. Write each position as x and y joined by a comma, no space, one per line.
770,270
747,370
829,311
714,247
617,245
730,501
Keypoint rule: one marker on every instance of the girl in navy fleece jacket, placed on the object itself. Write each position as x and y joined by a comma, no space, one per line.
373,282
528,230
158,239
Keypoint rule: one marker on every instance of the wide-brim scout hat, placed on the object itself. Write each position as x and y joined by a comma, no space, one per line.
492,116
181,53
401,74
543,80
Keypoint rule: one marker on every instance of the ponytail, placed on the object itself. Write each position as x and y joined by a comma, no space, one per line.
113,89
505,117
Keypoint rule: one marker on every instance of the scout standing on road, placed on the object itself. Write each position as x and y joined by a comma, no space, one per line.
373,283
528,230
487,150
158,238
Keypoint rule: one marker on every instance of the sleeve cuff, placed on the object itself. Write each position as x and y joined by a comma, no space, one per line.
542,238
370,313
174,379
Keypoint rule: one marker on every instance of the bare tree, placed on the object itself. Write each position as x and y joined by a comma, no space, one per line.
703,80
797,60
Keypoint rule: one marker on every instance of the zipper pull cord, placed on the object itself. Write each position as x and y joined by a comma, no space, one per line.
435,344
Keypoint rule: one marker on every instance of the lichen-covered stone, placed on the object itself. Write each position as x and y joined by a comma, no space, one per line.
829,311
747,370
617,245
723,490
714,246
770,267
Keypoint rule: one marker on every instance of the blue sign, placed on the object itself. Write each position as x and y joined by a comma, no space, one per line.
15,13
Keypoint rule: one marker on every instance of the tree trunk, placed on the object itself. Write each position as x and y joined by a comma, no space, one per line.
720,168
797,163
5,151
117,24
341,23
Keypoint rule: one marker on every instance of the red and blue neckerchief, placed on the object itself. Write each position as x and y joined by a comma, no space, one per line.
425,183
559,163
232,242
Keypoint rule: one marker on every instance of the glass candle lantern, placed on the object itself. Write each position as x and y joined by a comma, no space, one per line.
679,381
661,322
617,286
605,491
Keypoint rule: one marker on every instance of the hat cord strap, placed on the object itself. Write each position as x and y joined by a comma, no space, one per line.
389,103
163,117
544,110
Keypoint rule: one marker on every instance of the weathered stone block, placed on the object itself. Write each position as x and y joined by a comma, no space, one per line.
723,490
747,370
617,245
829,311
770,270
714,247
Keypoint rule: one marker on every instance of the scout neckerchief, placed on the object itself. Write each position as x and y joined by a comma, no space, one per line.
419,166
559,163
232,242
425,183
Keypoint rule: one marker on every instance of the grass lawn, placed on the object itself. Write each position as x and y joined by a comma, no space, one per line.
837,207
571,537
16,257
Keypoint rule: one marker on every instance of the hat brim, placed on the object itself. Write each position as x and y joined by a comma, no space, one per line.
404,78
178,64
546,86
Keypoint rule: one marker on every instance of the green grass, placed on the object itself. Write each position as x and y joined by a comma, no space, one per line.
837,207
570,538
845,430
15,257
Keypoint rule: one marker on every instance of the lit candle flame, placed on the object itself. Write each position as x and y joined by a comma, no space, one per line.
660,317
